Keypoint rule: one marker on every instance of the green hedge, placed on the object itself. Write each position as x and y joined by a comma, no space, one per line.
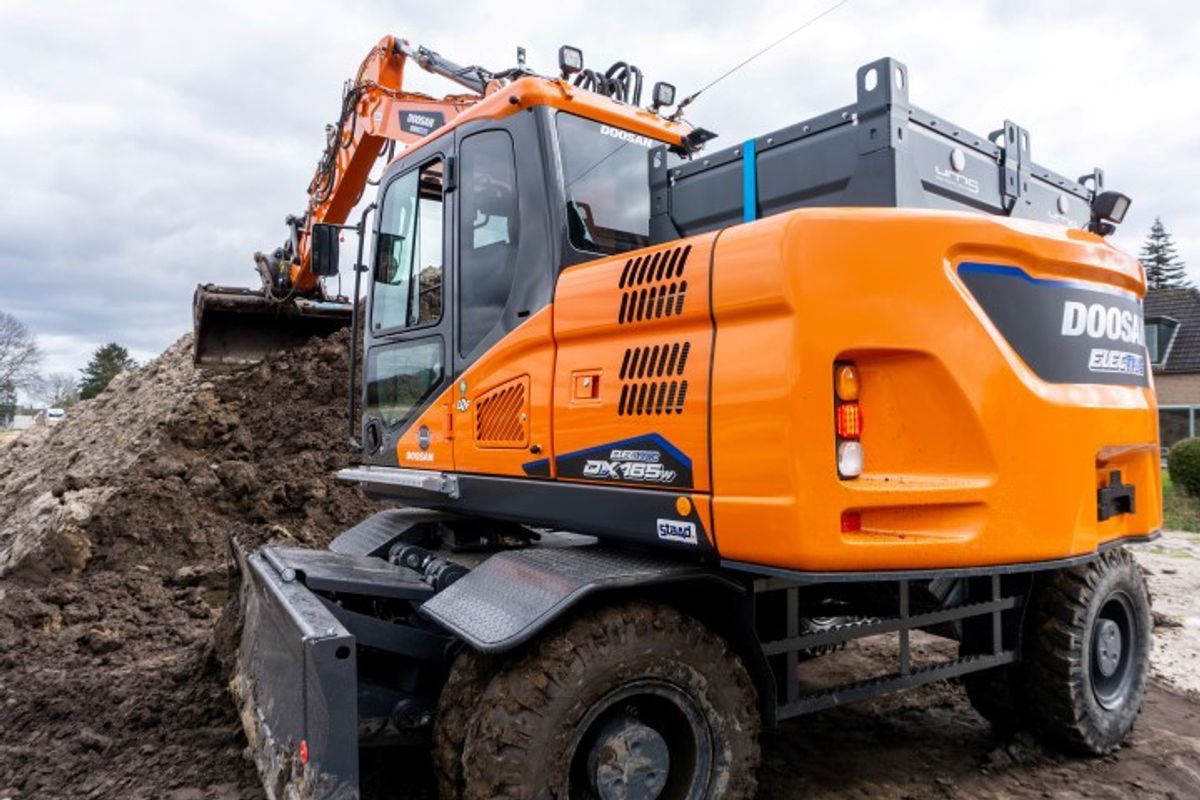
1183,465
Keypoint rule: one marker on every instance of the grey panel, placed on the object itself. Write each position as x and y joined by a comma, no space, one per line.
323,571
631,514
513,595
880,151
377,533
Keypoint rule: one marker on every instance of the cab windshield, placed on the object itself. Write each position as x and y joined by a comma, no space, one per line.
606,180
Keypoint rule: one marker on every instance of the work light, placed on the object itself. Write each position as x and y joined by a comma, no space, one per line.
1111,206
570,60
663,95
1108,209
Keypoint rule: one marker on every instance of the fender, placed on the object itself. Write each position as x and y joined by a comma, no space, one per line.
514,595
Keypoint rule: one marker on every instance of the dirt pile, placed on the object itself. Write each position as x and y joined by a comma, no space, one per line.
113,531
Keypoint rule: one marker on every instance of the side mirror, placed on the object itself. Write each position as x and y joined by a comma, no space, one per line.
326,245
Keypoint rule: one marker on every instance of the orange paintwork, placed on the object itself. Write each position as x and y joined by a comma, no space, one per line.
526,352
534,91
971,459
591,340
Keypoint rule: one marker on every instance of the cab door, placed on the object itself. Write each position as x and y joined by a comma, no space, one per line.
503,338
409,323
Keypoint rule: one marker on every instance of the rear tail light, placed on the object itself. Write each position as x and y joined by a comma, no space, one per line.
851,522
850,459
845,382
848,420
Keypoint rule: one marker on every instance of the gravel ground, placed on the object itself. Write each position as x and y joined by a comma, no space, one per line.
1173,564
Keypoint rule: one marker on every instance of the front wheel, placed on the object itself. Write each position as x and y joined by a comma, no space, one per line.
1087,653
631,701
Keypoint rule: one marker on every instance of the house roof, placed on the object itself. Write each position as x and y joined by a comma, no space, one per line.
1183,306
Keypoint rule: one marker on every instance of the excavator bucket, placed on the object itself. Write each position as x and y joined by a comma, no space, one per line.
236,327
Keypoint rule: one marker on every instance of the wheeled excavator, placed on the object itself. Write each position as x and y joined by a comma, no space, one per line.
657,425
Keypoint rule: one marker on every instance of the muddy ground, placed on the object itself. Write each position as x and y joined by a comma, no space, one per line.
113,529
113,539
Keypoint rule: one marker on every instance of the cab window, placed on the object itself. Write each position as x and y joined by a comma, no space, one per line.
407,283
401,377
488,234
606,181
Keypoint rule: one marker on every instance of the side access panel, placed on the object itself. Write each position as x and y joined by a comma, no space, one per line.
635,340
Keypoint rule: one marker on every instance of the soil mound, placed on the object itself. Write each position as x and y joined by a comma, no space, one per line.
113,537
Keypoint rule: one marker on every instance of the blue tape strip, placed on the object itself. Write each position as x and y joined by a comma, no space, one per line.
978,268
749,182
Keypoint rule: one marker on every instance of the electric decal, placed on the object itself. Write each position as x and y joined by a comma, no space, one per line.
647,460
1066,331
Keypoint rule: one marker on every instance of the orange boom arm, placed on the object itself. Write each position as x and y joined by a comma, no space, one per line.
375,111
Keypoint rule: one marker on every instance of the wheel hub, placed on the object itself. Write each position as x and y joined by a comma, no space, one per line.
1108,647
629,761
1116,645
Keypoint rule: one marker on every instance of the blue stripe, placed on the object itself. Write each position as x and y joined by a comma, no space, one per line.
749,182
971,267
532,466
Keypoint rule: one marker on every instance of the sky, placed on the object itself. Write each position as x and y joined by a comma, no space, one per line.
146,147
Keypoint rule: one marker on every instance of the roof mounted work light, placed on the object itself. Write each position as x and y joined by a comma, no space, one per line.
663,95
1108,211
570,60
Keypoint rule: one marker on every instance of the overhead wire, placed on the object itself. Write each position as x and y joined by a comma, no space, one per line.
692,97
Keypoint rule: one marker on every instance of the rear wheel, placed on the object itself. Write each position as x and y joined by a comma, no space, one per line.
1087,653
632,701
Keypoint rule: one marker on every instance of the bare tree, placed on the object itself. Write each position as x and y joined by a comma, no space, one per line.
19,353
56,390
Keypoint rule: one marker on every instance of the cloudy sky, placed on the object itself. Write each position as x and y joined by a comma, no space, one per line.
145,147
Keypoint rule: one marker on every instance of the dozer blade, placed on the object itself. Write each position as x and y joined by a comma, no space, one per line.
236,327
295,684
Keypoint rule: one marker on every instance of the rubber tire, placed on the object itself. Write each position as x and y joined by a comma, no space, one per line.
1057,644
994,695
518,742
459,701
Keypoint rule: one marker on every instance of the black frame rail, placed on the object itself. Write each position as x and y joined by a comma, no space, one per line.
797,701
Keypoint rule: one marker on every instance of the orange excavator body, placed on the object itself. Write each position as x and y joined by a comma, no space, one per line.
971,458
870,367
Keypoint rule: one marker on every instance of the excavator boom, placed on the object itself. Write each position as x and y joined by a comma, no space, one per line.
236,326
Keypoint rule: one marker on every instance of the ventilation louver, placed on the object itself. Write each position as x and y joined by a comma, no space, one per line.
502,415
651,379
653,286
